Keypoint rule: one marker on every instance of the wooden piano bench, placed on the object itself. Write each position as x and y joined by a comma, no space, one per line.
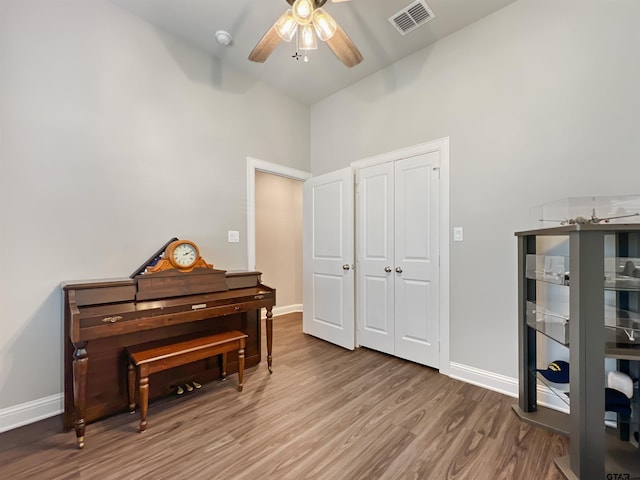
145,361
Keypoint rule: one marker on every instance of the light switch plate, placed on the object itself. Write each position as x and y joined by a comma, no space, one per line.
457,234
233,236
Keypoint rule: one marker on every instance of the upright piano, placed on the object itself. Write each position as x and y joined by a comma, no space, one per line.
104,317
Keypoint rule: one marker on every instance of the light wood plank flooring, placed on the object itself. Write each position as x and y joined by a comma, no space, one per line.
324,413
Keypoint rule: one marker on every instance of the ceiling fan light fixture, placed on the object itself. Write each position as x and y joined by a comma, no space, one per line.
303,11
307,38
308,22
324,24
286,26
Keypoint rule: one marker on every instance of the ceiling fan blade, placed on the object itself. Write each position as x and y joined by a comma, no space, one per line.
265,46
344,48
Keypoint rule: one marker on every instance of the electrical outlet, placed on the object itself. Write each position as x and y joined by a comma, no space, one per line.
233,236
457,234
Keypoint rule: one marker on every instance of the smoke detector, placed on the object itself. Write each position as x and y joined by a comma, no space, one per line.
223,37
411,17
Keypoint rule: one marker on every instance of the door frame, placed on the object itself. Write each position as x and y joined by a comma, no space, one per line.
255,165
440,145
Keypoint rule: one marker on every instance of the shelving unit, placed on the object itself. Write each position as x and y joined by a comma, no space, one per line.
592,331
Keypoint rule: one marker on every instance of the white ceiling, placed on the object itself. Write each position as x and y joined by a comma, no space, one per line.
365,21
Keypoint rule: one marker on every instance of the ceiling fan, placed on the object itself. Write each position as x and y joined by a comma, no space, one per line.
308,19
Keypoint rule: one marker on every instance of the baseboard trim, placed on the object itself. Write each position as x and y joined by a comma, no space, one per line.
30,412
503,384
296,307
484,378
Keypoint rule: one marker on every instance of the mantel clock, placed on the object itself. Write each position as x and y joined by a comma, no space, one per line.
182,255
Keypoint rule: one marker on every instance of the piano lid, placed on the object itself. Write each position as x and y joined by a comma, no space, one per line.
153,259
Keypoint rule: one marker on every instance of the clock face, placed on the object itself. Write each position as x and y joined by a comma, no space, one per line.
184,255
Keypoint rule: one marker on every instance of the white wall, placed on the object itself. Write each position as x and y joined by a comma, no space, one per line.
114,137
540,101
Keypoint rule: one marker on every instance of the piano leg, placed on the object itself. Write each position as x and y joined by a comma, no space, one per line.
269,336
80,364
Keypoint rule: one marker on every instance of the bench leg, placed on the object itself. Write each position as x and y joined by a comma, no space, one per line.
144,402
132,388
224,365
240,368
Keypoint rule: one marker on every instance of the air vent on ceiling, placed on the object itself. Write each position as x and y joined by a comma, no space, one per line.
411,17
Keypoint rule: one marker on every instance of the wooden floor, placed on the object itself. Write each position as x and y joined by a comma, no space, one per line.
324,413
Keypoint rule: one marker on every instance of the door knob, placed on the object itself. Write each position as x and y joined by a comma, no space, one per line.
398,269
387,269
346,266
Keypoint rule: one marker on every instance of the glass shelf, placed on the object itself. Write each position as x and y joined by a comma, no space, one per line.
619,345
620,342
560,390
623,326
551,324
633,421
622,333
622,273
548,268
625,322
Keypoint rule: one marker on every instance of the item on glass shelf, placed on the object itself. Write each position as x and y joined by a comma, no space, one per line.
615,401
620,381
589,220
556,372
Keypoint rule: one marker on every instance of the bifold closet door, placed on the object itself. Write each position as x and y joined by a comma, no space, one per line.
416,253
375,232
398,255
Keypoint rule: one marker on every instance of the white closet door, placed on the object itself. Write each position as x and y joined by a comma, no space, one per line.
375,260
328,278
416,259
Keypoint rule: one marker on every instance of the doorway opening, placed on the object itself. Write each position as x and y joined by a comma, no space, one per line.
274,229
